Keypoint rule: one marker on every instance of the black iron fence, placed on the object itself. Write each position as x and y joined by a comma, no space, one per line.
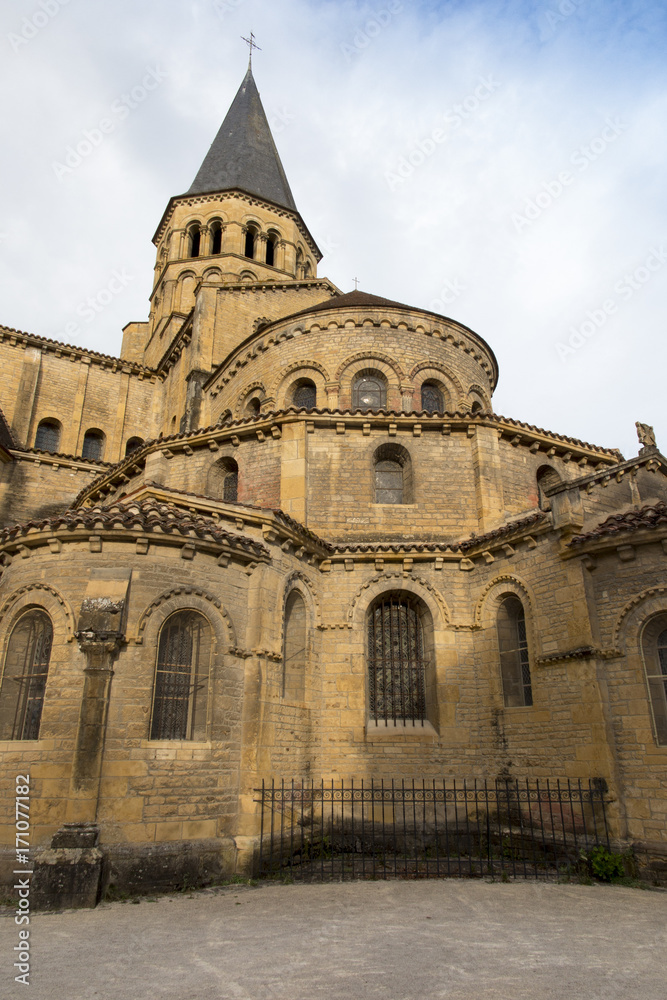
429,828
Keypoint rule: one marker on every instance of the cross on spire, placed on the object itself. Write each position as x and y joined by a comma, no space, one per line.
250,42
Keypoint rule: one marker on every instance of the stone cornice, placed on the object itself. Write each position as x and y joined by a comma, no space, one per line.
429,324
80,354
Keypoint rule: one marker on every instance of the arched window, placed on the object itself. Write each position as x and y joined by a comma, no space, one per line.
306,269
299,263
305,394
24,676
396,660
369,393
294,648
513,646
133,444
253,407
223,481
180,692
216,238
546,477
476,407
93,445
194,241
393,474
654,648
431,398
271,247
47,437
250,240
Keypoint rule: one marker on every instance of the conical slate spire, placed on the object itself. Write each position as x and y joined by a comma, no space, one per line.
243,154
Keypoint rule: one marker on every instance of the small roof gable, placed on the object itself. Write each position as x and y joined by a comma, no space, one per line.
243,154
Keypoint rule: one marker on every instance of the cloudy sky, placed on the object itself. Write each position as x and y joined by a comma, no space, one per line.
500,162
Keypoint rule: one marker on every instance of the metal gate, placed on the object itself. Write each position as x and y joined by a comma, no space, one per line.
429,828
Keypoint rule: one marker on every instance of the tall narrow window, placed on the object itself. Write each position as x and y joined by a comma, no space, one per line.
396,662
93,445
305,395
24,677
431,398
654,647
250,243
194,241
230,490
294,648
271,245
514,661
47,437
216,238
546,478
368,393
180,692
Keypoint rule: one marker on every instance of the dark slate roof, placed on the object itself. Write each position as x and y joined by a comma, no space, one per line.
637,519
243,154
6,439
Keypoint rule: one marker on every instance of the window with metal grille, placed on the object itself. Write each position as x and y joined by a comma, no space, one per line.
396,663
514,661
180,693
305,395
47,437
388,482
24,676
222,482
93,445
230,488
294,648
432,399
654,645
368,393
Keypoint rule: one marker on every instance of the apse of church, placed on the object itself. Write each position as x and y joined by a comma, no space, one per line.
285,536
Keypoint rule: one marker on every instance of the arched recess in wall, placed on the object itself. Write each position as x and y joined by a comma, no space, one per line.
546,477
180,700
133,444
222,481
432,397
47,437
215,237
272,244
193,240
654,654
186,291
369,390
295,646
303,394
477,400
251,241
505,613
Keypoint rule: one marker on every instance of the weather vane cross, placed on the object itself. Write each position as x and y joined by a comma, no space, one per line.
250,42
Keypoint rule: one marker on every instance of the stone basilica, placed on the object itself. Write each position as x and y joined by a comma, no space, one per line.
284,535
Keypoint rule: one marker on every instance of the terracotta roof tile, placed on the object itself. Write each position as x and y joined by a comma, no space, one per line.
144,515
637,519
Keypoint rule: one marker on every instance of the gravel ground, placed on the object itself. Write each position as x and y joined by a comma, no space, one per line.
463,940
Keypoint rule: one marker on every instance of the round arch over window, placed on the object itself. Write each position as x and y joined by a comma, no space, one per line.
93,445
180,690
369,391
304,394
654,650
24,677
513,648
48,433
398,648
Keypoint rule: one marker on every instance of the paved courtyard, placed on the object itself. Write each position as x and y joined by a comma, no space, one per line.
463,940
